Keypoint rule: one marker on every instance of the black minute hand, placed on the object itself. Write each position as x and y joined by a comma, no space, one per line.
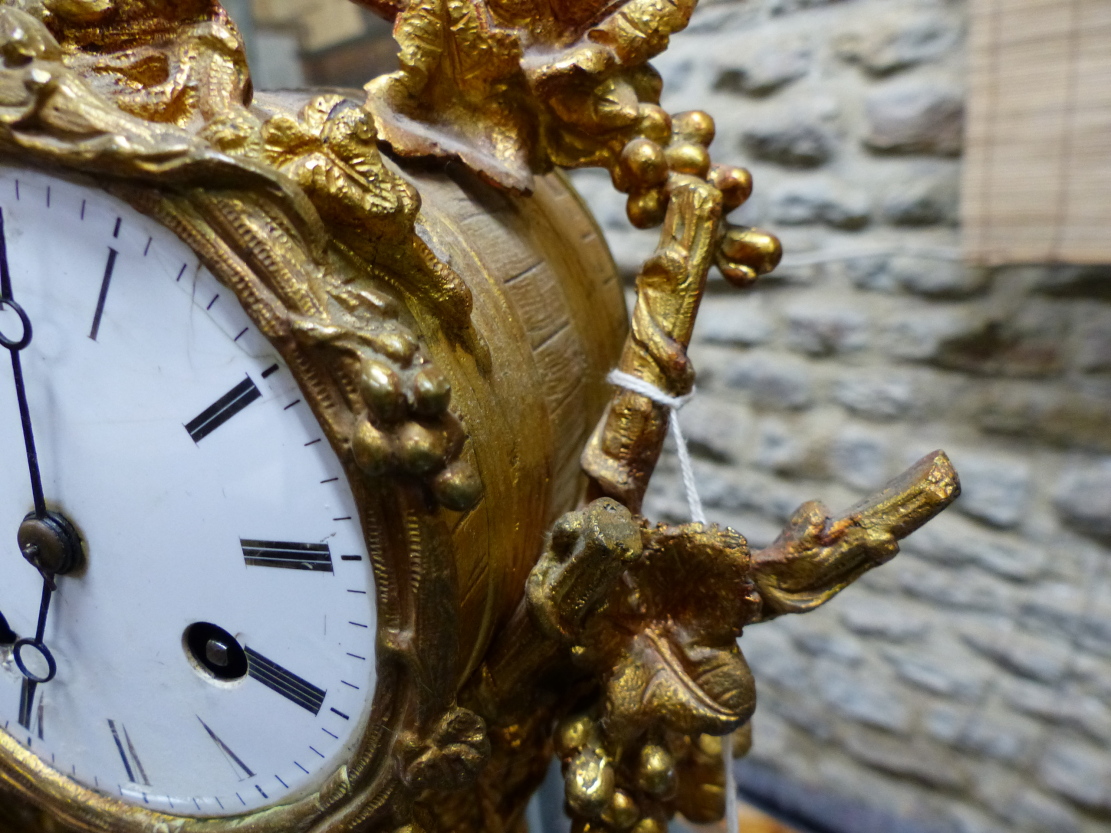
15,345
46,539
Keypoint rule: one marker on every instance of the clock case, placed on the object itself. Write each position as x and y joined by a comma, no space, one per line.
450,313
457,397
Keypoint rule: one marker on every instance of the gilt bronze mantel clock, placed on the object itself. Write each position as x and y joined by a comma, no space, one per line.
320,509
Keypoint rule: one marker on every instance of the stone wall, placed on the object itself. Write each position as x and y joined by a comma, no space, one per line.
966,686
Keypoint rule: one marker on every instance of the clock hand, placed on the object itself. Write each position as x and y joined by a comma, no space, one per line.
46,539
15,345
33,658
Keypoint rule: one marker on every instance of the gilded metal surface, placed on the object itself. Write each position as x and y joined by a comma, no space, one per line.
452,328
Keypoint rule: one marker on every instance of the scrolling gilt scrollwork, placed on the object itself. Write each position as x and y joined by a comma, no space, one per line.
621,655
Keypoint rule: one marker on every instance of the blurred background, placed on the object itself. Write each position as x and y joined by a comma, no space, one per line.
940,174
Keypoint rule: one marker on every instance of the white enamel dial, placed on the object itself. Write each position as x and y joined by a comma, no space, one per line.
215,654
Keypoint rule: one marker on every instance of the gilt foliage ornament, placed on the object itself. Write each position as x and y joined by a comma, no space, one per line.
609,641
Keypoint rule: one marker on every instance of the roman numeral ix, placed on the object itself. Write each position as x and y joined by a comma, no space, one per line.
286,554
286,683
223,409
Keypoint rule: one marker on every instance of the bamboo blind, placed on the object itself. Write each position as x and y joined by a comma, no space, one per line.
1037,174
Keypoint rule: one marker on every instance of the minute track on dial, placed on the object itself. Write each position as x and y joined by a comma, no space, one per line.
168,517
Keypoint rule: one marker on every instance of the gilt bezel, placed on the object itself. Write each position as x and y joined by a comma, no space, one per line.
359,789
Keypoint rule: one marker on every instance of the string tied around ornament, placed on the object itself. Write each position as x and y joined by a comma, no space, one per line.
674,404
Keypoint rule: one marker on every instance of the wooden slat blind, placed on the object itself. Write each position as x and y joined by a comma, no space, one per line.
1037,174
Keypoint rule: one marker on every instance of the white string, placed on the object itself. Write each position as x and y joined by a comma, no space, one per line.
674,403
732,814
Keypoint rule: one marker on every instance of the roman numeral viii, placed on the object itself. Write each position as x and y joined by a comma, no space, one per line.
131,763
286,683
223,409
286,554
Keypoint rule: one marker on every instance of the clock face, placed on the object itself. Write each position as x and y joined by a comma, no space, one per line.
215,648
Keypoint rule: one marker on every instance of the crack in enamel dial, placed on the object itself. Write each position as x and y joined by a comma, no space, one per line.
215,647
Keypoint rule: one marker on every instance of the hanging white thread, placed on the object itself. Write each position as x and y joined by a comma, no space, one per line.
732,813
674,403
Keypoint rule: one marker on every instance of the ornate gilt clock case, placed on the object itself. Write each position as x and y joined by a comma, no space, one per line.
448,310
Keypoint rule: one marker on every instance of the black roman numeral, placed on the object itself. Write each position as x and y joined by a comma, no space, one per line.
128,755
26,703
233,759
223,409
111,265
314,557
287,684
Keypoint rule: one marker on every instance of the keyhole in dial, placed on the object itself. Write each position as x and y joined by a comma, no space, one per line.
214,652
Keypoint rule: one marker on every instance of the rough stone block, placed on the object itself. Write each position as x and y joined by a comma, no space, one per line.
924,333
771,737
1031,341
781,7
1095,633
1083,497
1029,656
794,144
1093,348
922,201
781,447
823,200
962,818
753,491
770,66
772,657
876,395
934,277
1079,772
953,541
994,489
860,698
947,676
773,381
1048,412
1034,810
858,457
883,619
744,320
822,329
1074,281
1094,674
895,41
920,761
800,710
1056,607
714,429
871,272
915,116
937,278
1001,737
1068,708
820,642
